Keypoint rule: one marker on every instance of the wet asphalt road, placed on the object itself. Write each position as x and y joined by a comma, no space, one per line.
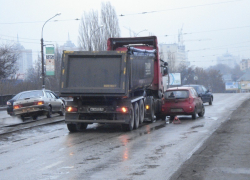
154,151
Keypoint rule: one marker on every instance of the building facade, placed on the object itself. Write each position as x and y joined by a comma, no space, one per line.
244,64
175,54
24,61
228,59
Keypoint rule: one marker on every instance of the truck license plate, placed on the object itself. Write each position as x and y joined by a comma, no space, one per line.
96,109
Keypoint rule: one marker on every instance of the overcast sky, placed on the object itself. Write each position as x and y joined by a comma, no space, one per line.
210,27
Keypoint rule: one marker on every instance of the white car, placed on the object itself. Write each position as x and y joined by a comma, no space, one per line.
36,103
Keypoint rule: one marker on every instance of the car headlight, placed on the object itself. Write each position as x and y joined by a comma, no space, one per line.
8,103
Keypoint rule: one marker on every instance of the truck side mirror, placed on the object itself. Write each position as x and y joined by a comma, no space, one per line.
165,71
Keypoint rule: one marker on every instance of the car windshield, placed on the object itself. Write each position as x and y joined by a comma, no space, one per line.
176,94
31,94
197,88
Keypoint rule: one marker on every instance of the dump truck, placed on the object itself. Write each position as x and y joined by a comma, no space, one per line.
122,85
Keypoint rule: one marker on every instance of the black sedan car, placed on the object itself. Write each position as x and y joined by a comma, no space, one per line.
205,94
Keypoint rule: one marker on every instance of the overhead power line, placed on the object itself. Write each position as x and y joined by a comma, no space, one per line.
187,7
9,23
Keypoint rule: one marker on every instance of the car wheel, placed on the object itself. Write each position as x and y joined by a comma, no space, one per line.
62,112
34,117
201,114
136,114
49,112
211,101
72,127
194,116
130,126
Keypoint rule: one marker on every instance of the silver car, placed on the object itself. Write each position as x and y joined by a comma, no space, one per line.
38,103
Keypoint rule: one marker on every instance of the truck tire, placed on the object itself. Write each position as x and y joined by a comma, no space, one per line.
130,126
141,111
81,126
72,127
152,112
136,115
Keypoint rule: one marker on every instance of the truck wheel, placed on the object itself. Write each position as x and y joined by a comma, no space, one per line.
72,127
34,117
152,112
81,126
141,111
136,115
130,126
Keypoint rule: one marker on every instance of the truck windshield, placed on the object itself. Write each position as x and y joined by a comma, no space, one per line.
176,95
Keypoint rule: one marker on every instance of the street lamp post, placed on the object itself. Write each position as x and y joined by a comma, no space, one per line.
140,32
91,36
43,74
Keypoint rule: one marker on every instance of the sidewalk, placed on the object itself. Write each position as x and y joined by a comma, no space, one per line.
225,155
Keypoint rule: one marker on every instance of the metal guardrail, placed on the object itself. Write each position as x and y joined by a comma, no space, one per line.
3,108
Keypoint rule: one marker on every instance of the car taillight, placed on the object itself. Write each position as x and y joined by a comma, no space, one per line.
191,100
71,109
39,103
16,106
122,109
8,103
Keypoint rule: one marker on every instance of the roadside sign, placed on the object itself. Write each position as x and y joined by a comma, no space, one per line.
50,61
175,79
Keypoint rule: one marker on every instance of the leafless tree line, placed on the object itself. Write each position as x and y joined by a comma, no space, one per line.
94,31
8,59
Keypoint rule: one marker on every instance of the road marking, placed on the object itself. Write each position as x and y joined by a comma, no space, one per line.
233,170
52,165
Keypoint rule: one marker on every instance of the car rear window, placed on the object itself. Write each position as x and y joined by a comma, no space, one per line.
31,94
176,94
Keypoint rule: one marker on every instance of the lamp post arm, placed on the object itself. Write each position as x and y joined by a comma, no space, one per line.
42,56
46,22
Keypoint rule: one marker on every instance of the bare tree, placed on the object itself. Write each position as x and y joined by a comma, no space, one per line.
94,31
8,59
110,22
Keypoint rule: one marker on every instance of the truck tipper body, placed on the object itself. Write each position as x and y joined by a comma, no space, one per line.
121,85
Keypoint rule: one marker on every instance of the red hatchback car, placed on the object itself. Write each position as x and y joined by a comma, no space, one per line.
182,101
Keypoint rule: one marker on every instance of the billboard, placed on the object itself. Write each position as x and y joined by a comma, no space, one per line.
175,79
232,86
